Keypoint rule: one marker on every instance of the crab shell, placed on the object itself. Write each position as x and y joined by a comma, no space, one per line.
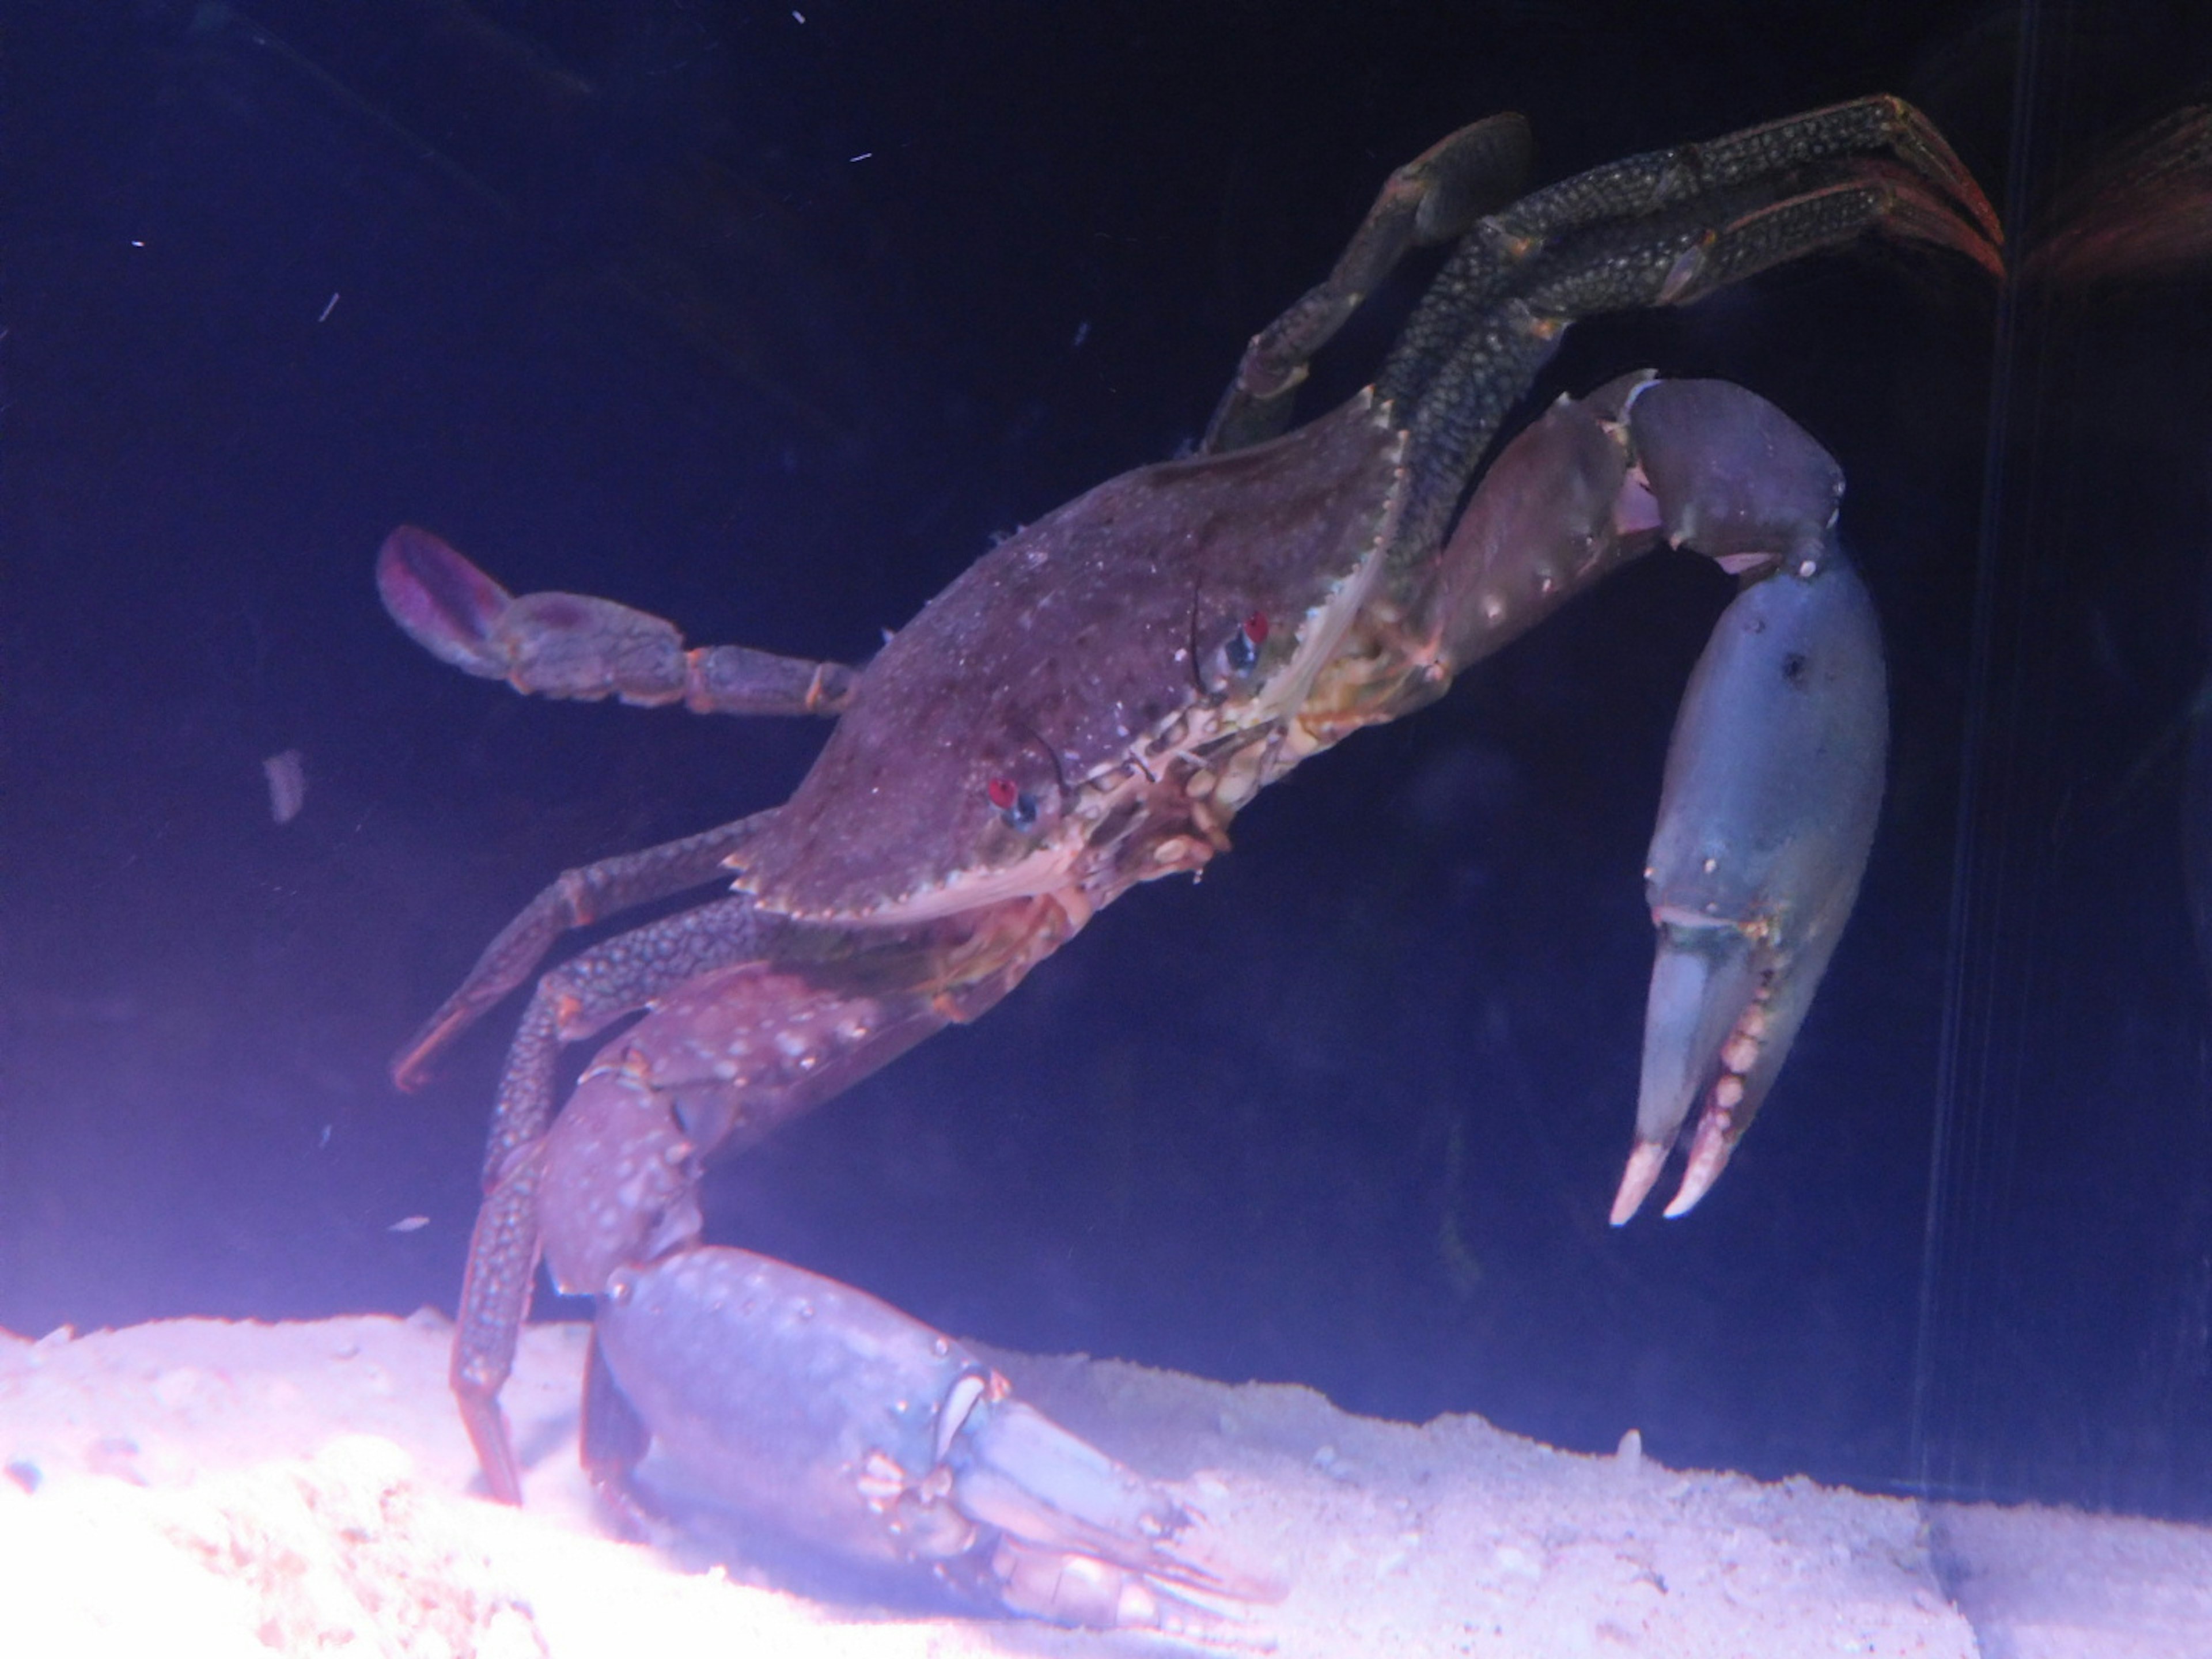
1090,703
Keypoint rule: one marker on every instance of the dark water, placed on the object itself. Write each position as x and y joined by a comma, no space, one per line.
768,325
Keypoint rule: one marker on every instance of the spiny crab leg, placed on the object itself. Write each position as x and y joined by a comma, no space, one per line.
583,995
1432,200
1663,228
571,644
1784,159
1847,132
575,898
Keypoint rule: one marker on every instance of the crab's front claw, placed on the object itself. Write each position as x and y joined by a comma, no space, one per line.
1772,788
1081,1539
1773,778
817,1408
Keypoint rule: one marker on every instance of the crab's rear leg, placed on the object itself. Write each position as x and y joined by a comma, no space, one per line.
570,645
1661,229
1431,200
582,996
1884,154
575,898
1775,773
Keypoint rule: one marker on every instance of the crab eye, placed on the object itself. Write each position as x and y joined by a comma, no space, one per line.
1016,805
1243,648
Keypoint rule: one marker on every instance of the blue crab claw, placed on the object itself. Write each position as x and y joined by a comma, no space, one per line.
825,1412
1772,788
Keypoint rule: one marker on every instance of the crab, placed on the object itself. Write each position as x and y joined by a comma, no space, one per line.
1089,707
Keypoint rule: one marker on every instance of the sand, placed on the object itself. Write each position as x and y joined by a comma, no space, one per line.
203,1487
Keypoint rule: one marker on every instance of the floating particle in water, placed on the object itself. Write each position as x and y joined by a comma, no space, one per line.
287,785
412,1224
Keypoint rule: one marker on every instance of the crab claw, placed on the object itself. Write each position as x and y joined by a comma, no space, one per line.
828,1414
1772,788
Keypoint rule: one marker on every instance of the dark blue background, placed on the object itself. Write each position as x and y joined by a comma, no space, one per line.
620,310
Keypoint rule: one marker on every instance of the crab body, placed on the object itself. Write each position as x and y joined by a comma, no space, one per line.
1143,654
1089,707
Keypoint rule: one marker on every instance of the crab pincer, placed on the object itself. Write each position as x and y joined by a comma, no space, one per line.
1774,776
832,1415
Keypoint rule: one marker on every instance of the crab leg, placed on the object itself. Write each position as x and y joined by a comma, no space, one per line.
1880,145
570,645
581,996
1434,199
1664,228
575,898
824,1412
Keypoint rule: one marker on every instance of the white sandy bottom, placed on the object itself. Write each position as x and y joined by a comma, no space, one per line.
196,1487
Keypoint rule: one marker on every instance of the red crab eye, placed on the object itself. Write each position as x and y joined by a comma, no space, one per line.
1016,805
1244,648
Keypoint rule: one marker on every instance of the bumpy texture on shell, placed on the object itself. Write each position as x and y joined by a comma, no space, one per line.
1058,657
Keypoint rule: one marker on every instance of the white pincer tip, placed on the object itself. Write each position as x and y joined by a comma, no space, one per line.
1644,1163
1709,1156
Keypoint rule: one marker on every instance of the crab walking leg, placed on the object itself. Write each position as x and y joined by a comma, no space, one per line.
1666,229
824,1412
570,645
575,898
1880,142
1434,199
581,996
1774,776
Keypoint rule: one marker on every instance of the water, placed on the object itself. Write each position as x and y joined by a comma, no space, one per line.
768,326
